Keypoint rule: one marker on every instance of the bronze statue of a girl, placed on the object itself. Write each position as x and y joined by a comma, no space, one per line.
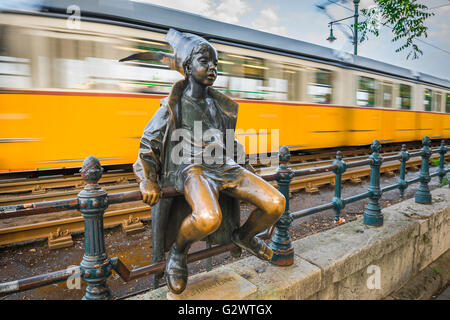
211,180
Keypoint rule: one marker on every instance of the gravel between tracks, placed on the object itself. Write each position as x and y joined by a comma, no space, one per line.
27,260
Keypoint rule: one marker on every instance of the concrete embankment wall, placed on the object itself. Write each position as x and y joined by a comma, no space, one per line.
351,261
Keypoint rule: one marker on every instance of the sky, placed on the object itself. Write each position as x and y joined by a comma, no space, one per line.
302,20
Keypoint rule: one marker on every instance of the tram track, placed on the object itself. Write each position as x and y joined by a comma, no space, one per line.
43,185
58,227
126,182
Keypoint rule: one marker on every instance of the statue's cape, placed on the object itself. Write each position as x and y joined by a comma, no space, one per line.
155,149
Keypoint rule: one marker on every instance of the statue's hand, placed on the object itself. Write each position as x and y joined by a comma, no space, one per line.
150,192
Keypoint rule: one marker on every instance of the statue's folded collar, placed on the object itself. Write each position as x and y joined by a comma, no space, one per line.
172,103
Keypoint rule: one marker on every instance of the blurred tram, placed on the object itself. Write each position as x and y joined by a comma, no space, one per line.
64,95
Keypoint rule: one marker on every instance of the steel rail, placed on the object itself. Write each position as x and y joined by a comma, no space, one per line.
61,195
41,185
20,183
310,168
72,203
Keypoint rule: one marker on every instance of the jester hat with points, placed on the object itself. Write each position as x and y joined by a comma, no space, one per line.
182,43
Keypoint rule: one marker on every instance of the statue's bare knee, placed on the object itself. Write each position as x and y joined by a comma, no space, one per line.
275,208
207,220
278,205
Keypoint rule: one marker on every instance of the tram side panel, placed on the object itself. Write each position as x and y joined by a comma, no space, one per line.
60,130
388,126
446,126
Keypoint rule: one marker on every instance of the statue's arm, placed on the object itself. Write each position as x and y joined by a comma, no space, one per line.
147,167
240,157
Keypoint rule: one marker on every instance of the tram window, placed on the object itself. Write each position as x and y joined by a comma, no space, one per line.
15,64
256,78
144,76
437,102
365,95
386,95
90,62
320,89
447,103
241,76
293,77
404,99
15,72
230,64
428,99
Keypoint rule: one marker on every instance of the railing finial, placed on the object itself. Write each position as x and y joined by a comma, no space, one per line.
285,155
91,171
376,146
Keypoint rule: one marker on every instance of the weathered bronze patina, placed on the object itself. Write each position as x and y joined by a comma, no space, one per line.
212,182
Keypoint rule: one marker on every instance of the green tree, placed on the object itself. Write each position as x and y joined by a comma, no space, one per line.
406,18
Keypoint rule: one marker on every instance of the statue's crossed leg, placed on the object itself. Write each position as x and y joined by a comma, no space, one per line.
206,218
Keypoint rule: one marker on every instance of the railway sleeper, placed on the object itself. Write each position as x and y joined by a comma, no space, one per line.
132,225
60,239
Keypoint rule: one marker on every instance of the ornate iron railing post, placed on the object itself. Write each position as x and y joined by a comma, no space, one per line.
95,266
372,214
341,166
423,194
442,151
283,252
401,181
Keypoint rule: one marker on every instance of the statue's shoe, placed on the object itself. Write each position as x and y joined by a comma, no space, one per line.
255,246
176,272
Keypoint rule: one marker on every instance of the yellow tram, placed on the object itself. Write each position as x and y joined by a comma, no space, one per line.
64,95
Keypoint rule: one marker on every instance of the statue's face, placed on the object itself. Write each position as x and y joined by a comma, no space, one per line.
204,65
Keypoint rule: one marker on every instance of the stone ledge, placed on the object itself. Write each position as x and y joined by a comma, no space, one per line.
217,285
335,264
427,282
275,282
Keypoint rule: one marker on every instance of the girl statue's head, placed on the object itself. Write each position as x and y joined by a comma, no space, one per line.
190,52
194,56
201,65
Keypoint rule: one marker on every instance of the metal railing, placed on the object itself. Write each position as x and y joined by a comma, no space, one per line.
96,266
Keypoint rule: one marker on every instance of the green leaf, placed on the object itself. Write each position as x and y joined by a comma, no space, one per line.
405,18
